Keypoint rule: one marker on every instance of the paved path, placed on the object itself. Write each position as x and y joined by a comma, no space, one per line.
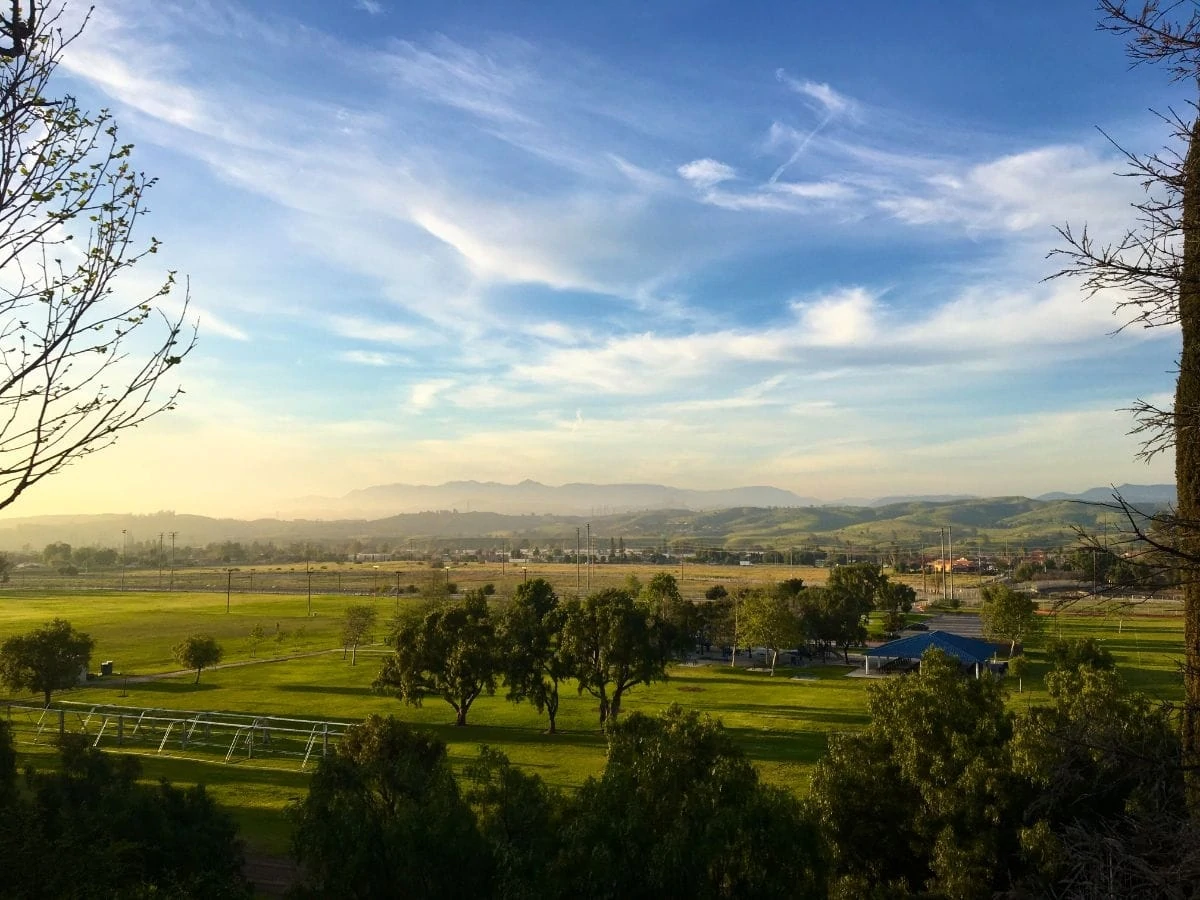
962,624
142,679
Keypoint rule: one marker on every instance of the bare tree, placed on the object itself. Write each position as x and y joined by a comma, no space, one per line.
1154,272
78,361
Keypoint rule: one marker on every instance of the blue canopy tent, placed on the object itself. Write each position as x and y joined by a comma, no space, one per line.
967,651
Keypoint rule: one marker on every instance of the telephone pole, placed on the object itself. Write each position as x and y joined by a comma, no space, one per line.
171,586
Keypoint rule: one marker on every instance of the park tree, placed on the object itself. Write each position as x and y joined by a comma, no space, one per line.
1066,654
767,620
81,361
679,811
46,659
1107,813
199,652
922,802
530,647
520,819
358,625
894,599
91,827
449,650
612,643
1008,615
384,818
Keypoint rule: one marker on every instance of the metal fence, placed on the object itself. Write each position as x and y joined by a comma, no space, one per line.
228,737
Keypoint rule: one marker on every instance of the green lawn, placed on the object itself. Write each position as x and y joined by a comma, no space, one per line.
781,723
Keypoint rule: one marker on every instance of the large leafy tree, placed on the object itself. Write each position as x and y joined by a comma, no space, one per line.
680,812
611,644
1107,814
520,819
80,365
530,647
923,800
384,818
664,599
92,828
1008,615
450,651
767,620
46,659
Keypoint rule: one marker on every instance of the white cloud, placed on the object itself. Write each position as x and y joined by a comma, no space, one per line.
706,173
372,7
371,358
827,100
424,395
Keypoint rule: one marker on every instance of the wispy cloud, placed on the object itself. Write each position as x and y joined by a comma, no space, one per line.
825,99
372,7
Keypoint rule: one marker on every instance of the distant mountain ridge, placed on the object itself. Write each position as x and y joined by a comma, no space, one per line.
532,497
1158,494
985,522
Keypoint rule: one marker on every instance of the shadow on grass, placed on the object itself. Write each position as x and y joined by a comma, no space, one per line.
848,718
343,689
794,747
170,687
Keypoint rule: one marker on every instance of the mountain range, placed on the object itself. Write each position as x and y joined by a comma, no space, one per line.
1050,520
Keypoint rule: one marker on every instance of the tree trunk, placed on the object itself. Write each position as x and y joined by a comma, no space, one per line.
460,715
197,681
1187,458
46,692
552,707
353,655
774,656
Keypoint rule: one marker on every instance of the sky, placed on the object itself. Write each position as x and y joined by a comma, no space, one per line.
703,244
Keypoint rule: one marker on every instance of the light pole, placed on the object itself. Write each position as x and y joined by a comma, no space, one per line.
525,572
124,554
228,587
589,553
171,585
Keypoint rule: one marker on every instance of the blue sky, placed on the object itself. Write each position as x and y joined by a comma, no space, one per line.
697,243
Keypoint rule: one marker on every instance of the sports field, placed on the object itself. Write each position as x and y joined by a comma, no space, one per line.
296,670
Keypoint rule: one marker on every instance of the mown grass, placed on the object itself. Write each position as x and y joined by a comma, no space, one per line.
783,724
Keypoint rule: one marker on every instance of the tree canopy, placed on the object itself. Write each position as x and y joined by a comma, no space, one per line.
199,652
451,650
46,659
612,643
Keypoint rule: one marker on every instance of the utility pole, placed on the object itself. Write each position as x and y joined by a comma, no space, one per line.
942,559
124,554
950,550
589,556
228,587
578,585
160,559
172,582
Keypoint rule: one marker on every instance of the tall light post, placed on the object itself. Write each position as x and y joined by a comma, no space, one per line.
589,556
171,585
124,554
160,558
228,587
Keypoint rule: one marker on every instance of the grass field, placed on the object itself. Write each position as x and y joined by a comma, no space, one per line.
781,722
